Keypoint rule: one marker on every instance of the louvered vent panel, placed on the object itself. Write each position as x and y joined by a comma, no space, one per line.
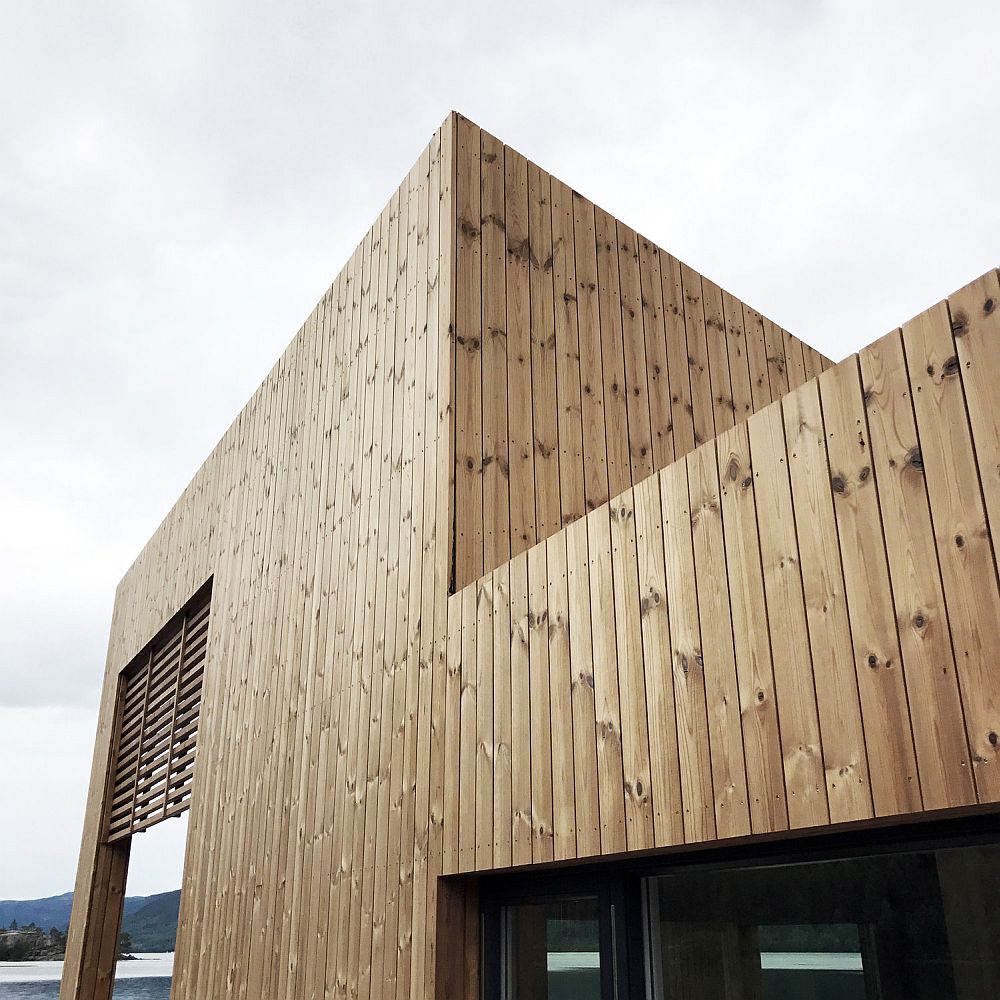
158,709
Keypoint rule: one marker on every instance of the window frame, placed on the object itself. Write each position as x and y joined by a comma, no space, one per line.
619,882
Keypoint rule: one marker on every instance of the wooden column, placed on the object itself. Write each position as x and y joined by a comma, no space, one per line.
99,894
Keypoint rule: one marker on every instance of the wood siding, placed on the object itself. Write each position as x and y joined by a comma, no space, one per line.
782,622
587,356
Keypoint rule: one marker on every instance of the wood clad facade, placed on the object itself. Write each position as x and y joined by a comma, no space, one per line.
536,545
587,357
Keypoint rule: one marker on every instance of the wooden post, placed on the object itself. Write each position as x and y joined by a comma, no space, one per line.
99,895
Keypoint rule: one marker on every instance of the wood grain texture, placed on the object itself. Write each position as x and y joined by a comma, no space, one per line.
792,623
620,358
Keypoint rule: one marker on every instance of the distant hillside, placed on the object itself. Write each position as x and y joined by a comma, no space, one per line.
153,926
150,920
44,913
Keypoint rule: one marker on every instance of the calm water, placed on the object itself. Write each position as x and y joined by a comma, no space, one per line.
146,979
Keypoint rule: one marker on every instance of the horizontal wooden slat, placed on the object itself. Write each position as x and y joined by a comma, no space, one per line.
158,725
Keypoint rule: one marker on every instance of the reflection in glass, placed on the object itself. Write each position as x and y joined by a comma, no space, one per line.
552,951
919,926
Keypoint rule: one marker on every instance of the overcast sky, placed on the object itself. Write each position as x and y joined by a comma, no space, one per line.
180,182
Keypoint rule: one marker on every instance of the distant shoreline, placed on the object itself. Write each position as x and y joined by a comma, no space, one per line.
147,965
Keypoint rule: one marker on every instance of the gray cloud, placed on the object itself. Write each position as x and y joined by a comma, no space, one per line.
179,183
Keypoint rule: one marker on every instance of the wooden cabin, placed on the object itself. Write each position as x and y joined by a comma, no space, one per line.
552,624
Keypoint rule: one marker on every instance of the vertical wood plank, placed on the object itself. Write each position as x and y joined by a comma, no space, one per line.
723,408
468,751
612,353
774,344
631,679
468,359
452,737
975,323
636,366
544,396
595,453
521,449
496,485
520,686
588,820
502,719
877,659
685,640
754,671
844,755
570,411
485,740
968,570
651,287
678,367
795,367
739,369
610,780
697,357
756,348
541,716
560,700
802,751
665,780
729,780
921,621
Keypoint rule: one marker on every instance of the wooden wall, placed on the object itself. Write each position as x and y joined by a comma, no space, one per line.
794,625
791,625
322,517
587,357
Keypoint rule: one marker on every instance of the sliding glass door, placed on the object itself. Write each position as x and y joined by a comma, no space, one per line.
920,924
554,939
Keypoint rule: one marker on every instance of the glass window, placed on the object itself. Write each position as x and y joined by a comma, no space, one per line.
552,950
919,926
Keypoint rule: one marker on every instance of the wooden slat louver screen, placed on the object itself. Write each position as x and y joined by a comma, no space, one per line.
159,706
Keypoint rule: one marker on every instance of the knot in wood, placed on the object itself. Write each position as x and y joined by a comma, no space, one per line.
839,485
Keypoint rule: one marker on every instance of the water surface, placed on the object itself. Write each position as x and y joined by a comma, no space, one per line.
147,978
